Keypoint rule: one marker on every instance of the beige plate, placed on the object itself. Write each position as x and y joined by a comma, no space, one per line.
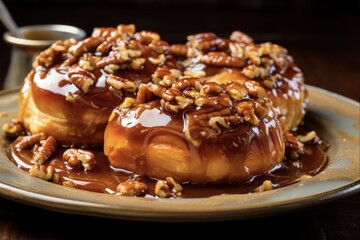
334,117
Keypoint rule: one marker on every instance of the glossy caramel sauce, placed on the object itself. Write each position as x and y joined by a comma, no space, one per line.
104,178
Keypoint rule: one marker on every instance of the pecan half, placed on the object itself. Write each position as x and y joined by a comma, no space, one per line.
44,172
85,45
44,152
221,59
241,37
120,83
104,32
146,37
178,49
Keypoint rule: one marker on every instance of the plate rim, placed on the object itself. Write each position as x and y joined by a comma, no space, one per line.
221,212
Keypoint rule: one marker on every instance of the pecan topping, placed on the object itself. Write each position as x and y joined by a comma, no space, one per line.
144,94
222,60
178,49
146,37
119,83
206,41
126,29
81,78
85,45
262,62
53,54
109,51
207,107
241,37
159,46
104,32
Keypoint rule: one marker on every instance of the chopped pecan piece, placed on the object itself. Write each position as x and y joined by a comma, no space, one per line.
44,172
221,59
132,188
265,186
241,37
82,78
79,157
14,129
168,188
178,49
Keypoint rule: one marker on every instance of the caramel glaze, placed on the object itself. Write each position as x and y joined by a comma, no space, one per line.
104,178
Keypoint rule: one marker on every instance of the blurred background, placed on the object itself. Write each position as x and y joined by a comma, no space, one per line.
323,36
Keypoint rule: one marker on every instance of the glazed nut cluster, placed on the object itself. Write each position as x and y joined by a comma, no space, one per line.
108,49
209,107
263,62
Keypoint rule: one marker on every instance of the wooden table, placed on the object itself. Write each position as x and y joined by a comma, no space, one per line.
326,47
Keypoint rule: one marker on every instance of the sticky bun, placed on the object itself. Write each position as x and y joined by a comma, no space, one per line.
195,130
74,85
269,64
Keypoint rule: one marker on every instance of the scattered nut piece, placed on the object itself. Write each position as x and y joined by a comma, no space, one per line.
69,184
168,188
265,186
137,63
144,94
128,102
195,74
178,49
253,71
14,129
79,157
157,61
132,188
241,37
81,78
44,172
305,177
308,137
221,59
119,83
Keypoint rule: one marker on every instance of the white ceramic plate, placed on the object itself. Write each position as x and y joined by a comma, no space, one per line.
332,116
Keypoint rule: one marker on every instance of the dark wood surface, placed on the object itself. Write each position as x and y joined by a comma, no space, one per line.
322,36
